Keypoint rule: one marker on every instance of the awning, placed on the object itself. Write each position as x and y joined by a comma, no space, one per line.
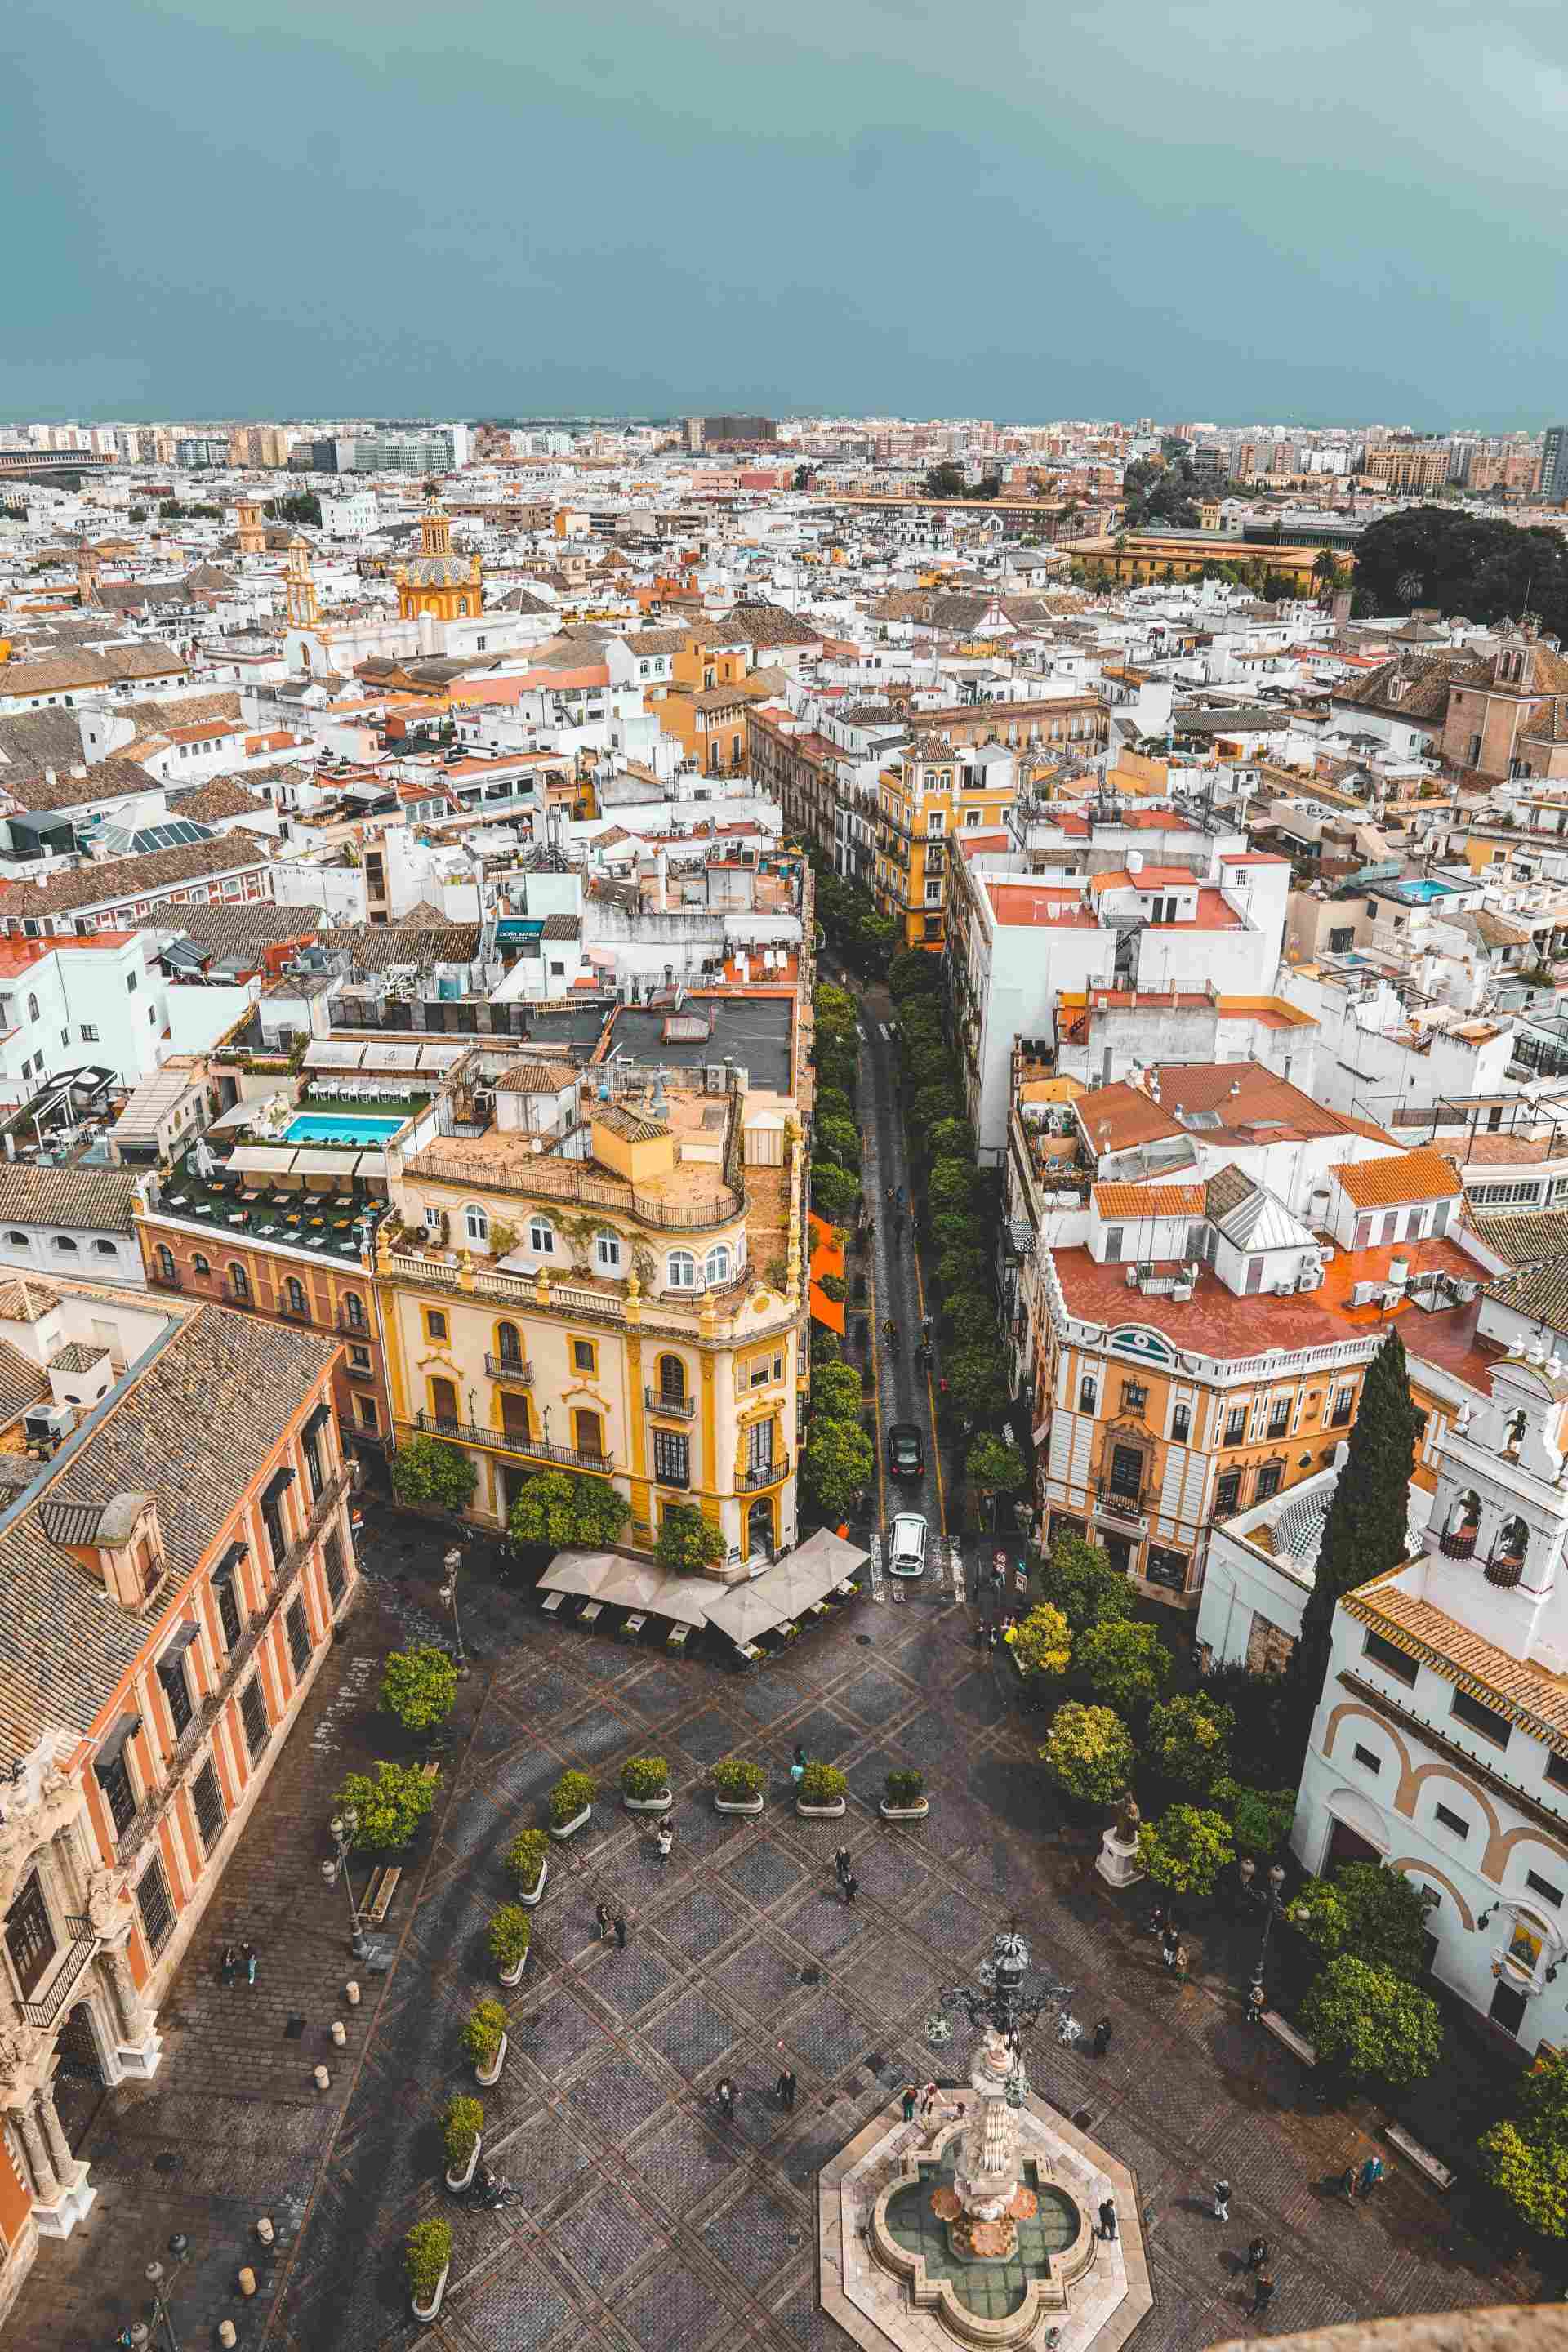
827,1257
183,1636
793,1584
226,1121
113,1744
263,1159
630,1584
278,1484
322,1163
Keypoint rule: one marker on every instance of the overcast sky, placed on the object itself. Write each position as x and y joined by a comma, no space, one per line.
1190,208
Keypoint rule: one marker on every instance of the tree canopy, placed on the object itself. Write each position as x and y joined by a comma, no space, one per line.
1159,496
1189,1739
835,1465
427,1470
1526,2156
688,1541
1372,2023
1089,1752
1459,563
1186,1849
557,1509
1078,1578
1366,1531
1377,1914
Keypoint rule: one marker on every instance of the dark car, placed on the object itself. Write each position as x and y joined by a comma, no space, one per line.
906,1450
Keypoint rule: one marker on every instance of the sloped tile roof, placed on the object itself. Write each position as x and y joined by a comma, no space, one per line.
1149,1199
1527,1694
1524,1236
1402,1178
91,1200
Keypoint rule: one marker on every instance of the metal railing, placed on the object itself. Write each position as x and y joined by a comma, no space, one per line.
67,1973
765,1474
683,1408
1457,1543
1122,1506
547,1180
512,1441
509,1367
1505,1569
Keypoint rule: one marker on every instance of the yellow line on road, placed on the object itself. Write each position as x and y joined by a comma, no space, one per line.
931,1393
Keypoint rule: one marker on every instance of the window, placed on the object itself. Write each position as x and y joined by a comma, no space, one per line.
509,1345
1134,1396
672,1381
30,1935
19,1241
1344,1405
1088,1395
294,1296
130,986
435,1323
1452,1822
253,1714
239,1284
299,1634
1341,939
103,1249
333,1563
1113,1244
682,1270
225,1582
353,1310
1235,1425
606,1253
476,1224
1393,1661
167,1270
153,1903
364,1410
1484,1719
541,1237
1365,1757
1181,1423
89,1034
585,1356
1547,1892
176,1690
1254,1277
208,1798
66,1246
1557,1770
1126,1477
32,1008
671,1457
1270,1477
716,1267
1280,1417
1227,1494
359,1366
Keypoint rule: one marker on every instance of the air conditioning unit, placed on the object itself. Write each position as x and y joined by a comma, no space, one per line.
484,1098
1365,1293
48,1424
1311,1280
1131,1277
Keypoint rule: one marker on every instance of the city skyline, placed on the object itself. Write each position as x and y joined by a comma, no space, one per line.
647,213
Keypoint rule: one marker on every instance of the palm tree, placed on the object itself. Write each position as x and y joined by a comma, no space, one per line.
1409,586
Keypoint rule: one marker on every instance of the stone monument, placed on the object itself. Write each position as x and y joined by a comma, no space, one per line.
1117,1861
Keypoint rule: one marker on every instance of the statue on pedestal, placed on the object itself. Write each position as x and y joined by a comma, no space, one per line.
1117,1861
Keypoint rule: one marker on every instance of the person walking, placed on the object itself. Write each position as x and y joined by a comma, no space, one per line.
911,2095
664,1837
1257,2001
1258,2254
928,2109
1157,1921
724,2092
1180,1965
1102,2033
841,1863
1168,1943
1347,2184
1262,2293
603,1922
1222,2201
620,1926
1371,2174
784,2088
797,1764
852,1887
1107,2218
250,1963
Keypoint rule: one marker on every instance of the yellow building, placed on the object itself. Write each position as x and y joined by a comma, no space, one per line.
1134,556
436,580
637,1315
706,704
930,797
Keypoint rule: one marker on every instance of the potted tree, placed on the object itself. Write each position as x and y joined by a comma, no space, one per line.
820,1794
511,1934
426,2258
462,2121
738,1785
645,1785
527,1860
484,2040
906,1799
571,1805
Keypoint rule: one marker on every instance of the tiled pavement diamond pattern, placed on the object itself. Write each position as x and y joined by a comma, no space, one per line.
517,2309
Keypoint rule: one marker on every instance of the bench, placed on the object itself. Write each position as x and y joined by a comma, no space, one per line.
1421,2158
553,1603
634,1624
676,1638
593,1610
1292,2039
752,1655
383,1887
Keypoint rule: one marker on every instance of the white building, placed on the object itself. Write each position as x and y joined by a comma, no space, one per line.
73,1002
353,514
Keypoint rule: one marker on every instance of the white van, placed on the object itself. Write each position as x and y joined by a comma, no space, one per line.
907,1545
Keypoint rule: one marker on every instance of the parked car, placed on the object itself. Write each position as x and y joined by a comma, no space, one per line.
906,1450
907,1545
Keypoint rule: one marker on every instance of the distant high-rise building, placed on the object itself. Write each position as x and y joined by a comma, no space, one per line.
703,432
1552,482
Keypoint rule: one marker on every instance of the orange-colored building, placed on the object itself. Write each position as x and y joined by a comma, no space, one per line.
706,705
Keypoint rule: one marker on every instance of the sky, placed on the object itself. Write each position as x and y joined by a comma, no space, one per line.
1191,209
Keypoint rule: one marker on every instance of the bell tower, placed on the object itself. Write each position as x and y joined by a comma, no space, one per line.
252,537
300,588
86,577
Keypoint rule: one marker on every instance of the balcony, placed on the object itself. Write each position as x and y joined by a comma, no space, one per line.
1457,1543
511,1368
765,1474
680,1408
1505,1569
1119,1506
161,1281
353,1326
512,1441
1340,1416
67,1974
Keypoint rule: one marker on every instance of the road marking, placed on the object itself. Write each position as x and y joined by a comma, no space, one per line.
931,1393
876,1565
887,1033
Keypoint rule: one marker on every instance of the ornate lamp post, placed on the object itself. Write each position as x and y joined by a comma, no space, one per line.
1009,1996
343,1827
158,2279
1267,1900
452,1562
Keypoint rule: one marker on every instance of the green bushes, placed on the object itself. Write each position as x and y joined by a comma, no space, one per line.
571,1793
643,1777
1089,1752
419,1687
560,1510
1189,1740
483,2034
1186,1849
738,1779
462,2121
428,1474
688,1540
426,2251
1525,2156
527,1855
1372,2023
509,1936
389,1807
1078,1580
821,1784
1041,1643
1125,1664
905,1786
836,1465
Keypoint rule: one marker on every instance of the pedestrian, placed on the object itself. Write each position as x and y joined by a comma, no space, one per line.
1371,2174
928,2107
248,1960
841,1863
229,1964
724,2092
665,1839
1102,2033
996,1635
1262,2293
784,2088
603,1922
1257,2001
1107,2217
1347,2184
852,1887
1180,1966
911,2095
1222,2201
797,1764
1168,1947
888,1195
620,1926
1156,1921
1258,2254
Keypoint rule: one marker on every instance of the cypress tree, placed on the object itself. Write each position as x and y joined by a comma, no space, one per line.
1366,1530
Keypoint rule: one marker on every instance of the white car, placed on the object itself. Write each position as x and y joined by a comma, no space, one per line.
907,1545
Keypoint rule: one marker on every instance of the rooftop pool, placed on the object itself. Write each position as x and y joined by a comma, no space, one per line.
340,1127
1422,893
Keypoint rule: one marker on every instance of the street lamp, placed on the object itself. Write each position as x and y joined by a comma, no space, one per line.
344,1827
158,2279
1008,1995
452,1563
1269,1901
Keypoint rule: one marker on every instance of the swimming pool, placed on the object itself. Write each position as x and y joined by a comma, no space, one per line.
337,1127
1422,893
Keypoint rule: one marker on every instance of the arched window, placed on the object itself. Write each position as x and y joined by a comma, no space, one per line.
1514,1542
476,1224
165,1258
353,1310
17,1241
199,1265
294,1294
64,1246
717,1269
103,1249
509,1344
672,1381
1457,1538
541,1237
239,1284
32,1008
682,1270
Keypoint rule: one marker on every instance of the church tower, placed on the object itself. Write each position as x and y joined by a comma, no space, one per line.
436,580
252,537
300,588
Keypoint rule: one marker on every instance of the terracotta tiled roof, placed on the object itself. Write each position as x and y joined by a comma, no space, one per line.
1405,1176
96,884
1526,1694
1150,1200
1524,1236
1541,1293
93,1200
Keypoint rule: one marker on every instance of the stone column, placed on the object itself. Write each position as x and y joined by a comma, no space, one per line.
46,2185
64,2163
141,2045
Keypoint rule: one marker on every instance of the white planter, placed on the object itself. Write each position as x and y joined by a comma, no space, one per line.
528,1900
426,2312
569,1829
739,1804
457,2182
916,1812
660,1804
509,1977
833,1812
490,2075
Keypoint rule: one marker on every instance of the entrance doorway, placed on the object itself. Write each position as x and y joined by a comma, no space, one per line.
80,2081
1508,2008
1346,1844
444,1402
1118,1550
759,1529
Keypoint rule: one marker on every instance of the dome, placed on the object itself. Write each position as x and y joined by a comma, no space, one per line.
438,571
